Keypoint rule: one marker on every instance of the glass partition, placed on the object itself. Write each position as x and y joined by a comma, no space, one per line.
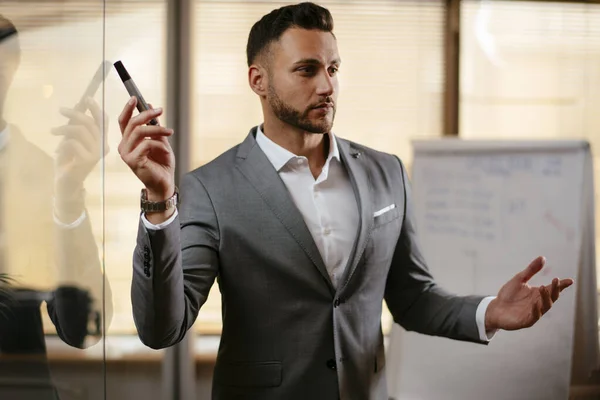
70,206
55,302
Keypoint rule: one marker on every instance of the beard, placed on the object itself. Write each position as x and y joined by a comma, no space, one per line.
300,119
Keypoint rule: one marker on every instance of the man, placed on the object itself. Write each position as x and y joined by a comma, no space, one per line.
47,247
306,234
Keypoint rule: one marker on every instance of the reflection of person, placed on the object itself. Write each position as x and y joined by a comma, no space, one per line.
48,248
306,234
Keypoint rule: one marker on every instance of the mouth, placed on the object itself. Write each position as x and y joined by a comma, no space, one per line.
323,106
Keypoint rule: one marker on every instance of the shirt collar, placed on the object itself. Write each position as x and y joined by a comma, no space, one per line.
279,157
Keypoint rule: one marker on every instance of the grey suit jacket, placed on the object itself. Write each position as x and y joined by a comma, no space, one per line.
287,333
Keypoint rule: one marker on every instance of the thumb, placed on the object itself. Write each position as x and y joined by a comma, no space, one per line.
533,268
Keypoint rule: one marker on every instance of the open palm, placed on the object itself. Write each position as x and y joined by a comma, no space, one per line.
519,305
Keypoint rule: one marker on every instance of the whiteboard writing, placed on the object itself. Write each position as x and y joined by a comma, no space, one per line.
456,204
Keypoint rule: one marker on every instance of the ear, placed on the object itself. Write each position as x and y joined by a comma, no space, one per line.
258,79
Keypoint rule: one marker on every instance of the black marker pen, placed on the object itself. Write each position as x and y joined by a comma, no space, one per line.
133,90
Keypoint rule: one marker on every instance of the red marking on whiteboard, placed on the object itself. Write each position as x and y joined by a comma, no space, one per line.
565,230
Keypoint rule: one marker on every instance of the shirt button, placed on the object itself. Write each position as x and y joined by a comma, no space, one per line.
327,231
300,161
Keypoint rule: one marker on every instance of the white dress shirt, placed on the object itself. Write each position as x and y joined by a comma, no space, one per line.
327,204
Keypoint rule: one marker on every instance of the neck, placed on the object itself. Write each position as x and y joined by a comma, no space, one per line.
313,146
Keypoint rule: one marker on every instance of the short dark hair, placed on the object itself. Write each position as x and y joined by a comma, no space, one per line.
7,28
9,41
271,26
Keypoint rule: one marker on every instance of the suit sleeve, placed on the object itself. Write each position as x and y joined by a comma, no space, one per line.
416,302
83,298
174,269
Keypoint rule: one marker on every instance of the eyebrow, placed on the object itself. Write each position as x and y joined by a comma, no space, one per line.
314,61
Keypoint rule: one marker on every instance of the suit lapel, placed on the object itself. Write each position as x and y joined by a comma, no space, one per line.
259,171
354,160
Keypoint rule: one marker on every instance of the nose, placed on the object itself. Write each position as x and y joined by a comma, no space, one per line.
326,84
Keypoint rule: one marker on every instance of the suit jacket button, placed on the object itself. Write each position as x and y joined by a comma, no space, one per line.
336,302
331,364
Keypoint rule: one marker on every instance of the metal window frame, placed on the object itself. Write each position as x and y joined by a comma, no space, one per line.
178,365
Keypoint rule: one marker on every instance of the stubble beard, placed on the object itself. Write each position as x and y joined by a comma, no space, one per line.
296,118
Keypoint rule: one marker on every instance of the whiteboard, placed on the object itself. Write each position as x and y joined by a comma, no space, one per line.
484,210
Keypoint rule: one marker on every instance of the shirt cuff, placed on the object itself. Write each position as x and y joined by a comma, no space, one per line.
160,226
73,224
484,336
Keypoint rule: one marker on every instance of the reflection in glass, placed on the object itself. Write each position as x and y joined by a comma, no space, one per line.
48,252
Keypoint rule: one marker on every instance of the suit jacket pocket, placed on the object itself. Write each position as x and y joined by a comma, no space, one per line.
386,217
249,374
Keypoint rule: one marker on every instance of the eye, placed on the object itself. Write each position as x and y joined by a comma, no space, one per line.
307,70
334,70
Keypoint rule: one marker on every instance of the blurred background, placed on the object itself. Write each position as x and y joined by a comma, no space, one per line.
412,70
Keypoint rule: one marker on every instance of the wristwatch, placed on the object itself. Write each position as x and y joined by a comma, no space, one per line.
158,206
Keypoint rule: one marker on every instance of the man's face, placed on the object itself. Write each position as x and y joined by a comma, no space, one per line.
303,85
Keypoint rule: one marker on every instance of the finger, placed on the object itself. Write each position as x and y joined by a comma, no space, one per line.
546,300
75,132
565,283
533,268
78,118
165,140
138,121
126,114
71,150
143,118
536,312
101,119
150,131
140,134
554,289
136,156
99,116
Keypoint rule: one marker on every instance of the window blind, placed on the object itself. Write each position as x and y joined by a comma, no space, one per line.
391,81
531,70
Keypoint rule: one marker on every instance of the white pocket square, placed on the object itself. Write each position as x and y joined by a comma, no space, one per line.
384,210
